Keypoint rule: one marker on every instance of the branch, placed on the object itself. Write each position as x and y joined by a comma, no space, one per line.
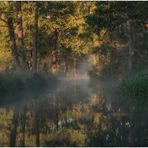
3,20
3,26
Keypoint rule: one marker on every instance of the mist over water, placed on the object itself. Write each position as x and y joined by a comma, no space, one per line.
74,87
67,85
79,78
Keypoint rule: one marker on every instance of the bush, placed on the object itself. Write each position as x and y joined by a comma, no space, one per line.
16,85
136,86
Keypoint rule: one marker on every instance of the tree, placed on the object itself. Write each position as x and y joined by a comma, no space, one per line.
12,34
20,34
121,22
35,39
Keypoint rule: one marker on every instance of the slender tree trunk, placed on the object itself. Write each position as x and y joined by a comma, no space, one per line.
75,77
35,40
13,133
57,119
56,107
144,35
65,66
20,34
54,54
12,40
113,37
131,49
54,62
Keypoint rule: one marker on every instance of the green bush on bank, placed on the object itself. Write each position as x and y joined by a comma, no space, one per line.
14,84
136,86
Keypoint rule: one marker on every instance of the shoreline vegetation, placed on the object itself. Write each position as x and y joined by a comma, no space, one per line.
16,85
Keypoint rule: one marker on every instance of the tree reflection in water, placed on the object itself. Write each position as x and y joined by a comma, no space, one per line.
71,117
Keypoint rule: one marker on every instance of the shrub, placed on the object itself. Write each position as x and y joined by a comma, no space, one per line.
136,86
16,85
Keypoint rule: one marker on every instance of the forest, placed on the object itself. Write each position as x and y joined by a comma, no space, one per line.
73,73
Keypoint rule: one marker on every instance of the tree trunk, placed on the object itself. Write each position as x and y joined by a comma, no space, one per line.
14,129
75,77
65,64
131,49
12,40
56,111
20,34
54,54
144,35
57,118
35,39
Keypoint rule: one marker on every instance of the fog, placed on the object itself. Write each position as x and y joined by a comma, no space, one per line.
73,84
79,78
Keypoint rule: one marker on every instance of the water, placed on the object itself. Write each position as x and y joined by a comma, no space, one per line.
76,113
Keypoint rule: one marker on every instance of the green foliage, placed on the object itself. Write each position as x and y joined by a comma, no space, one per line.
136,86
112,52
